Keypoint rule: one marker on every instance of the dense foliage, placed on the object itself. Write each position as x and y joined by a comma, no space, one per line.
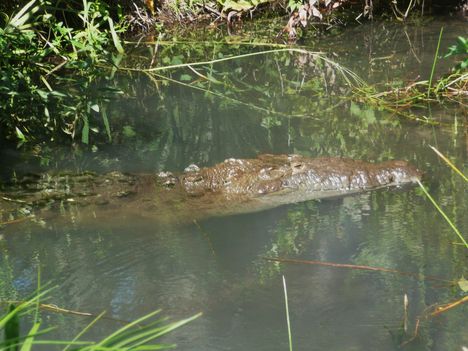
39,51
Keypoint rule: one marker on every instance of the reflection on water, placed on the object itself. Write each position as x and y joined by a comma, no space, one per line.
129,267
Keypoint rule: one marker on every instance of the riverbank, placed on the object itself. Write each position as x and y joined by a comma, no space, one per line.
61,64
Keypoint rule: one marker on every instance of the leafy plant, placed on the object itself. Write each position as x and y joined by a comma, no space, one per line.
39,53
460,48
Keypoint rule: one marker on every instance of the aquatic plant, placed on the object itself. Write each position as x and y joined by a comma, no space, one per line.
136,335
460,48
450,87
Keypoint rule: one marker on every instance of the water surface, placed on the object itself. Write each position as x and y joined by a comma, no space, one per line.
281,103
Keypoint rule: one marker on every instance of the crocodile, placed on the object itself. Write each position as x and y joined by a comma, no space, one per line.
230,187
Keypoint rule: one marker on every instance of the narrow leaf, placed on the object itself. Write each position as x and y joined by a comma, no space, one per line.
106,122
115,37
85,131
30,338
12,331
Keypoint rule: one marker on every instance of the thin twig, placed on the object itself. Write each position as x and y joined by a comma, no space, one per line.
448,306
353,266
439,309
56,309
18,220
441,155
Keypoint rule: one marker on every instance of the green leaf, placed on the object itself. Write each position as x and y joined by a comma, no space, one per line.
185,77
128,132
176,60
28,343
115,37
12,331
241,5
20,135
463,284
85,131
19,20
106,123
43,94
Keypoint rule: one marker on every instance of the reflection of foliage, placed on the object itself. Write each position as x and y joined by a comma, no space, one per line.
390,235
6,272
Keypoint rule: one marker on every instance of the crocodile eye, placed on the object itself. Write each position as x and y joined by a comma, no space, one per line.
391,179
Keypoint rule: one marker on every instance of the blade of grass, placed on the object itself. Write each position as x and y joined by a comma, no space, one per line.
434,63
115,37
443,214
38,302
21,307
442,156
167,329
32,334
130,325
27,345
85,329
63,342
18,21
12,331
106,122
85,130
287,314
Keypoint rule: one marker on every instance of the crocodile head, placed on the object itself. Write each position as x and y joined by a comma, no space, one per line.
339,174
306,179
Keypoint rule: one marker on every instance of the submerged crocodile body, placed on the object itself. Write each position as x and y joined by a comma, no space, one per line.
233,186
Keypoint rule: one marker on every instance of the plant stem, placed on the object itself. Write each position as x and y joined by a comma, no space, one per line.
442,156
435,62
287,313
443,214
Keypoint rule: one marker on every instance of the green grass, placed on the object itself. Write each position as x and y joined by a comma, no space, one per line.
447,219
436,56
138,335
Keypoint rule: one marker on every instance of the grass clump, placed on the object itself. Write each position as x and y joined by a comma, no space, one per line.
452,87
135,336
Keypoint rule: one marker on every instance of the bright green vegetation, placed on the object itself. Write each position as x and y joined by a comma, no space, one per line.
460,49
50,81
134,336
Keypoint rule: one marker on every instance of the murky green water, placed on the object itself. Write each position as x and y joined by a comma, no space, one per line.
129,267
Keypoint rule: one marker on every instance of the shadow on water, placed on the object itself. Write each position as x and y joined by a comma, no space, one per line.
129,265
